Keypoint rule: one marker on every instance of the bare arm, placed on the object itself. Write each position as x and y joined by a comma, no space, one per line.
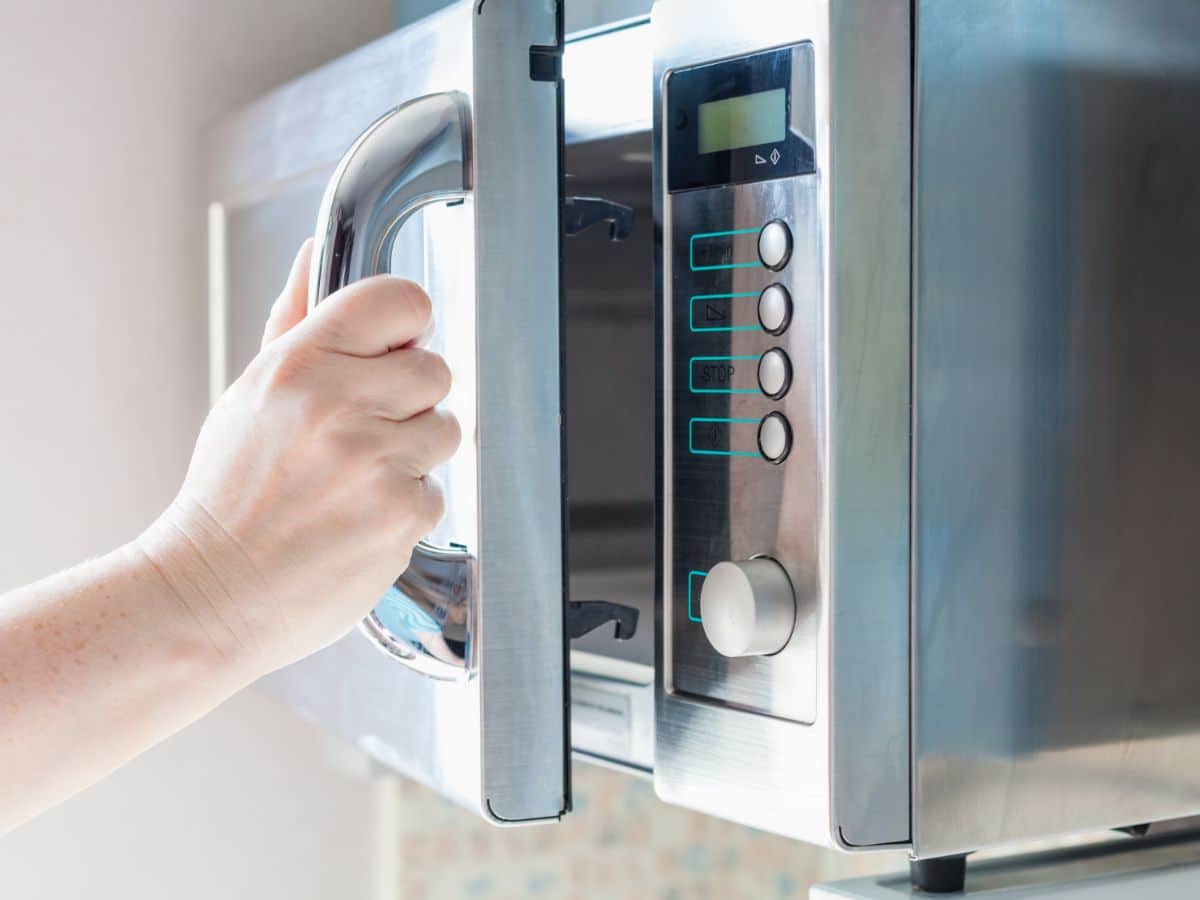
304,498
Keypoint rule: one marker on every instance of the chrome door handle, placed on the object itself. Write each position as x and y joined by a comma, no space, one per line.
414,156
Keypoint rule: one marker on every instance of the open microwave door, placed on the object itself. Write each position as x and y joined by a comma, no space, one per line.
434,154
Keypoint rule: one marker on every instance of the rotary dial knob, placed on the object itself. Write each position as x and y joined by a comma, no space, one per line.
748,608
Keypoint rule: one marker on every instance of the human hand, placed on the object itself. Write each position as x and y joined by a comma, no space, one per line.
307,490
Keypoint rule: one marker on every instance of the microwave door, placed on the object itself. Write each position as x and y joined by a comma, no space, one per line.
457,677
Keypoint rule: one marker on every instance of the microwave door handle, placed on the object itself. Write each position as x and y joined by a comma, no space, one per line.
416,155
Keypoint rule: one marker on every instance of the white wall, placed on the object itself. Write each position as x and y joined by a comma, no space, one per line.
102,387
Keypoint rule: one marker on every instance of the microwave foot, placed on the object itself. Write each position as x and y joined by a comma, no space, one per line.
939,875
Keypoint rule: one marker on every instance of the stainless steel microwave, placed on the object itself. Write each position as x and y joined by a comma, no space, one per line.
839,356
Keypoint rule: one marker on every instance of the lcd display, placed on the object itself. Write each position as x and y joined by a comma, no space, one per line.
745,121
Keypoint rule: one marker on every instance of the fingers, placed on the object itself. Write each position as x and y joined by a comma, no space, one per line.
289,308
371,317
400,384
423,443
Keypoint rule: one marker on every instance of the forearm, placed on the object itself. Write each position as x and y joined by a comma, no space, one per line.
98,664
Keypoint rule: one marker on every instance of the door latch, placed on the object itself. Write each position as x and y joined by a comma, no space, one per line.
585,616
581,213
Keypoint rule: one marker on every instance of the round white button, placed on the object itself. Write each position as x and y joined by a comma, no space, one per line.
775,244
774,373
748,608
774,438
774,309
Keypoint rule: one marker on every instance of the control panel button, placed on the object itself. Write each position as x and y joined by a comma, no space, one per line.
775,244
774,373
775,309
774,438
748,608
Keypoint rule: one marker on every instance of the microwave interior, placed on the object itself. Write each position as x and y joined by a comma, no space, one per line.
609,367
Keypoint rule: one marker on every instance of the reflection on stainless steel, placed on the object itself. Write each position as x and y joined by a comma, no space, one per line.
1057,681
810,743
425,619
412,157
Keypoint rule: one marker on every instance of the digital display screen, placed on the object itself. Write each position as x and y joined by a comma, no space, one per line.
745,121
741,120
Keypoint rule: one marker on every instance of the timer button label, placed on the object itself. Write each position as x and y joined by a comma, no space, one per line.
723,250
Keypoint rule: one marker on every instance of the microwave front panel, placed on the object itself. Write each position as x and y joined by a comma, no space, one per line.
729,500
782,183
494,737
742,736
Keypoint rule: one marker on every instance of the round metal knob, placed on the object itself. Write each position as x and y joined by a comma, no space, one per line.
748,608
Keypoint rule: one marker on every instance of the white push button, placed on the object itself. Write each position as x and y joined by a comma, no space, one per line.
775,244
774,309
748,608
774,438
774,373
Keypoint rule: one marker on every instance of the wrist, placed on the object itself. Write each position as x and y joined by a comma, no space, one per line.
205,573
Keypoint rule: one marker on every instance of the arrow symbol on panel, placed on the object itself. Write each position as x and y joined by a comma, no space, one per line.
714,313
758,160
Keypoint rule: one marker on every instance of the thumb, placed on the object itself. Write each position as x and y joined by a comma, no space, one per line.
291,306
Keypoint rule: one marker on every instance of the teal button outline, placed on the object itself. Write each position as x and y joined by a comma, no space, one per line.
714,234
692,574
695,390
692,447
724,328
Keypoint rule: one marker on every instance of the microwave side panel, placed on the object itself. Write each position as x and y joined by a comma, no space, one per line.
870,406
1057,495
813,742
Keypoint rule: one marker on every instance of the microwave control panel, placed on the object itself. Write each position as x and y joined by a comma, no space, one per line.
744,369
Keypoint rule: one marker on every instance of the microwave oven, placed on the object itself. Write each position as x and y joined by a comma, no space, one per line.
838,356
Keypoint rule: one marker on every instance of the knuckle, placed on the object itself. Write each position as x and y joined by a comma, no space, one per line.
449,435
417,303
440,376
454,434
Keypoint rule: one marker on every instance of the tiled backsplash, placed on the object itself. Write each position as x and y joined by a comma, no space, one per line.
620,842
